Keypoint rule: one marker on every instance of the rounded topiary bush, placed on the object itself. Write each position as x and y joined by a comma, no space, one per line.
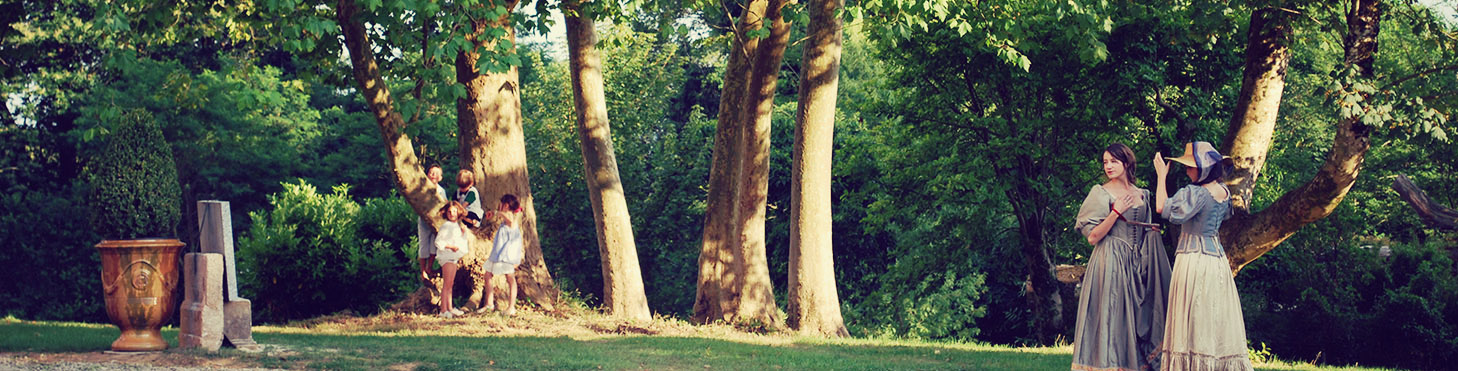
134,189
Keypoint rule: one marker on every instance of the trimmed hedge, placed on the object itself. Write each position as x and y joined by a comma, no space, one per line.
134,191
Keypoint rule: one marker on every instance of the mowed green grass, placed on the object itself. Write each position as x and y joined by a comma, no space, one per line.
647,352
440,349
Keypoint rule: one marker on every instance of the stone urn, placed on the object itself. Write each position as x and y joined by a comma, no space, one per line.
138,278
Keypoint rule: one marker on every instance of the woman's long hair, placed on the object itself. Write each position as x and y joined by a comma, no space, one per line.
1121,152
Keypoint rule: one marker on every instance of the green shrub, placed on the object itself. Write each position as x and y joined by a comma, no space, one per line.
930,291
134,190
315,254
51,272
1335,304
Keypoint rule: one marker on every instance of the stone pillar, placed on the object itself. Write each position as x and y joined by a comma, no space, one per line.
215,226
202,309
215,229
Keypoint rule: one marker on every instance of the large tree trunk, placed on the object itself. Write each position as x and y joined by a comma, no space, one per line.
622,280
1042,291
1247,237
408,172
714,256
814,307
1248,137
747,286
493,147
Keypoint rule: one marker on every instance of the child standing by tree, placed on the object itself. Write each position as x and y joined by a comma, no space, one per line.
507,252
466,194
451,244
426,251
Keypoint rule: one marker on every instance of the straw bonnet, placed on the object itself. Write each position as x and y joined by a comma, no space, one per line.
1201,155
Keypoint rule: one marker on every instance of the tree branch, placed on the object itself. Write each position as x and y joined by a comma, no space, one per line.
1251,236
408,172
1419,74
429,61
1434,215
1434,97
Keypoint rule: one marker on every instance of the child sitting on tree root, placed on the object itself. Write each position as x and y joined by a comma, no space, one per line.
507,252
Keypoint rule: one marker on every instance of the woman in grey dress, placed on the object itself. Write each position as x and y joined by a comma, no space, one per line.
1121,308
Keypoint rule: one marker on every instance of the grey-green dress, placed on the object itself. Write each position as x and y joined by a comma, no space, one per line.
1121,307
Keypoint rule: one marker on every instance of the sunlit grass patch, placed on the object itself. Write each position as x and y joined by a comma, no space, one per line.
535,340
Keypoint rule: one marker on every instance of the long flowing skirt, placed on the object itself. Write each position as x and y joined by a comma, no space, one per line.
1204,329
1121,306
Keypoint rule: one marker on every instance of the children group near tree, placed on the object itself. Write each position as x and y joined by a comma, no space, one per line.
450,243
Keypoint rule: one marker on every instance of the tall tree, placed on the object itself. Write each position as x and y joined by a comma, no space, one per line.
488,112
1248,137
491,141
715,258
747,286
968,79
814,307
1248,236
622,279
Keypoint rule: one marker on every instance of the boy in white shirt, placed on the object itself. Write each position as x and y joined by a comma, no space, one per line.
426,251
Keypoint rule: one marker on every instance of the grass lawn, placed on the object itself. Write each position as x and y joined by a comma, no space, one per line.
531,341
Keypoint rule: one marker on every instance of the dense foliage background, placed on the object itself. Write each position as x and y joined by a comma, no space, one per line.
942,150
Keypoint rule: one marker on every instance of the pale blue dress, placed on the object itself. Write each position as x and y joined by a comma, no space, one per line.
1204,329
507,250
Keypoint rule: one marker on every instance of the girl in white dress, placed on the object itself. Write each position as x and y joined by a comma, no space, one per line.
451,244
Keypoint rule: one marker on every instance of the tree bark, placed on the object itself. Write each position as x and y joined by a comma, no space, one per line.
1434,215
492,145
409,173
720,214
1045,301
814,307
1250,236
1248,138
748,291
622,286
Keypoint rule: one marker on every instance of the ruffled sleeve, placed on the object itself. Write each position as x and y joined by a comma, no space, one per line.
1184,204
1095,208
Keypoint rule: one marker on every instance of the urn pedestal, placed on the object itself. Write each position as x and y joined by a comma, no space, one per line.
138,279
